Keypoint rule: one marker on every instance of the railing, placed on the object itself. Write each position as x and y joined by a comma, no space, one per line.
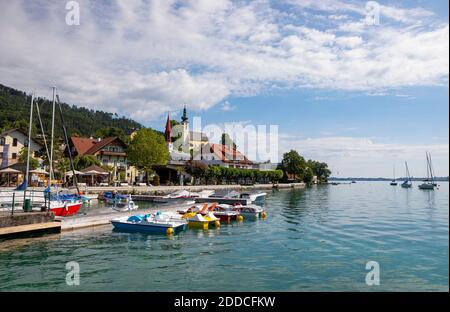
12,201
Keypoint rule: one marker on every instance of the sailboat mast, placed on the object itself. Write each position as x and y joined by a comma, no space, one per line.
409,174
51,138
428,167
27,172
431,169
66,140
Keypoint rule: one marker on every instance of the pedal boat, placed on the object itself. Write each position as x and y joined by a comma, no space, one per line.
150,223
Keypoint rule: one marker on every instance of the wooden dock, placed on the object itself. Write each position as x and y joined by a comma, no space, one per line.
47,227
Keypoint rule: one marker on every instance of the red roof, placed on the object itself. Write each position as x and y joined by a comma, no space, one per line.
227,154
82,145
87,146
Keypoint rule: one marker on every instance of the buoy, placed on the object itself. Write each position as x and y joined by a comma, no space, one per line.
240,218
263,214
169,231
217,223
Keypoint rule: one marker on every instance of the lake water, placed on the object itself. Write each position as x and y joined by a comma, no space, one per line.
314,239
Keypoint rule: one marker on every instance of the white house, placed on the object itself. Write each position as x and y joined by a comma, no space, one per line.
11,142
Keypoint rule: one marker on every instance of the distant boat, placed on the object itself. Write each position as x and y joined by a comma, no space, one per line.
428,183
394,181
407,183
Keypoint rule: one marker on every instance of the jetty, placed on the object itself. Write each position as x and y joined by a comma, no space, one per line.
21,223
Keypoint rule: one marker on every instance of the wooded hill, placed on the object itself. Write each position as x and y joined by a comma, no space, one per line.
80,121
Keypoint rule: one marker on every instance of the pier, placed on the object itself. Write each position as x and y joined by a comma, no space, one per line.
23,223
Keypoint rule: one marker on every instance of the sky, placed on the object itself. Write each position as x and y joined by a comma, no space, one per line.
360,85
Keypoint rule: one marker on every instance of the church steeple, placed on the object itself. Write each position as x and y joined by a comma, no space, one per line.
184,118
168,132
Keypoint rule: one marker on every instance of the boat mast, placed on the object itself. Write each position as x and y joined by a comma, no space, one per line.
66,140
428,168
407,171
431,168
27,172
42,129
51,177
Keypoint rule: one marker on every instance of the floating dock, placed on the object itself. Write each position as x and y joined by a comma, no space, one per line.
24,223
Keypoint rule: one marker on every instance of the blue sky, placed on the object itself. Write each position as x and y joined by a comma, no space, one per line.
362,97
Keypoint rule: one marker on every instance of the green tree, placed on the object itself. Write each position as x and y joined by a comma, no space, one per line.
111,132
23,154
83,161
197,168
227,141
293,164
320,169
308,175
62,166
146,149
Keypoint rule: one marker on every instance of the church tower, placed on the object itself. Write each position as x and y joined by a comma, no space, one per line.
185,124
168,134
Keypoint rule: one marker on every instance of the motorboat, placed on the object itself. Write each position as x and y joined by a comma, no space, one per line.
250,212
254,197
158,223
226,194
126,206
175,196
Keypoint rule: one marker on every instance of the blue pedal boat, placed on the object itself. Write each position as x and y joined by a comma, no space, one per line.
150,223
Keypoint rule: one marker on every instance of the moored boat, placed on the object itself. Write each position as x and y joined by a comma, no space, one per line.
65,208
428,183
150,223
407,183
254,197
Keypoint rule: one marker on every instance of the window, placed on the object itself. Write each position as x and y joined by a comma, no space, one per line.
14,155
14,142
1,155
2,141
25,143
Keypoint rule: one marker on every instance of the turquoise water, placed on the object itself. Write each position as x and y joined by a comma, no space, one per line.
316,239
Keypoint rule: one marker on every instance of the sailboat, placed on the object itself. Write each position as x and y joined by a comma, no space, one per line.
428,183
62,204
407,183
394,181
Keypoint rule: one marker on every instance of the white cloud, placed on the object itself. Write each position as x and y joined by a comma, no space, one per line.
142,58
227,107
366,157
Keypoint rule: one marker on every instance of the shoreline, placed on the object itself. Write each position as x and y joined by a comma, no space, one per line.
86,221
81,222
164,189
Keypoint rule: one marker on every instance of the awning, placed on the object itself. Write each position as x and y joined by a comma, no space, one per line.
39,171
10,170
70,173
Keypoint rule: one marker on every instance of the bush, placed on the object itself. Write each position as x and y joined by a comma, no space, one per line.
156,181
